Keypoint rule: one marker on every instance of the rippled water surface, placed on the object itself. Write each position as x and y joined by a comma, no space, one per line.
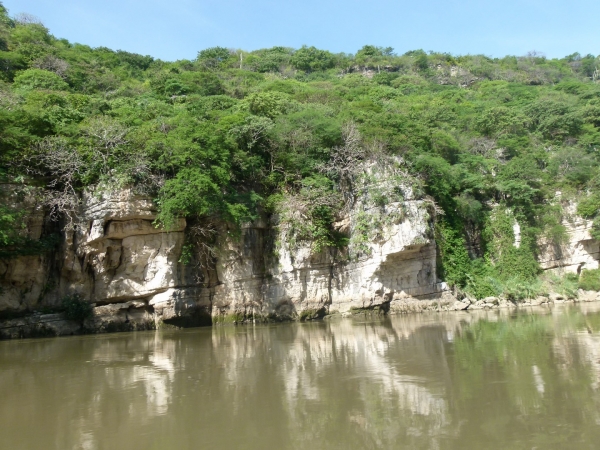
491,380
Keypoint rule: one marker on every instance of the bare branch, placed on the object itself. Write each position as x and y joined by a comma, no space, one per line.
107,133
52,64
345,159
27,19
54,156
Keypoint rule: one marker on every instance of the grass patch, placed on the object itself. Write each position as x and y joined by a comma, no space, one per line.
590,280
234,318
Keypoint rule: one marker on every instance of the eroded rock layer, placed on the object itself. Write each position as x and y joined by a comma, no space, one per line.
129,270
576,251
117,259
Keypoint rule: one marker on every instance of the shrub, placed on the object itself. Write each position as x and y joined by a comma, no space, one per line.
588,207
214,57
590,280
268,104
76,308
40,79
521,289
311,58
566,284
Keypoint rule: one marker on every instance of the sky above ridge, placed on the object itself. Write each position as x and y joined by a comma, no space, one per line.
178,29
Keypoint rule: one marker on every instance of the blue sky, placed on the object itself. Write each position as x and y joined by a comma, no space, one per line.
177,29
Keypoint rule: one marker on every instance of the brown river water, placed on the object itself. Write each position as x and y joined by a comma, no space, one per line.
526,379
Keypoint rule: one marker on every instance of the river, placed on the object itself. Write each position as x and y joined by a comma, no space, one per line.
499,379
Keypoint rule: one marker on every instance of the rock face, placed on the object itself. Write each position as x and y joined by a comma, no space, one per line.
127,256
118,260
400,265
577,252
23,280
114,256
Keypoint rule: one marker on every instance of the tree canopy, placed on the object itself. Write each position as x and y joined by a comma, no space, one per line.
232,134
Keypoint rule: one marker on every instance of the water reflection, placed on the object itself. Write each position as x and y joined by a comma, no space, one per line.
490,379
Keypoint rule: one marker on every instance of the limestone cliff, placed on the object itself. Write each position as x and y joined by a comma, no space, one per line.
117,259
400,264
577,250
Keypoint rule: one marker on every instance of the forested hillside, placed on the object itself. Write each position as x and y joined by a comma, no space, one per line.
231,135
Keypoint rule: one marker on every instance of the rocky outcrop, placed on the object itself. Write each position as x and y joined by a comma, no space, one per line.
24,280
117,254
117,259
113,254
114,257
576,251
290,282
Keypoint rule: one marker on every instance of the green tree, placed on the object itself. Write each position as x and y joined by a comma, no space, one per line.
311,59
39,79
214,58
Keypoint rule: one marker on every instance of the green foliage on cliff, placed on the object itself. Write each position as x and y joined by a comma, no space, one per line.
589,208
590,280
76,308
229,133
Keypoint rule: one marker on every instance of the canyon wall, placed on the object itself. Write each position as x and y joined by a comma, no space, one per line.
117,259
258,279
576,251
130,271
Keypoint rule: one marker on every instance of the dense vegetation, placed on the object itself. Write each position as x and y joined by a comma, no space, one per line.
227,135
